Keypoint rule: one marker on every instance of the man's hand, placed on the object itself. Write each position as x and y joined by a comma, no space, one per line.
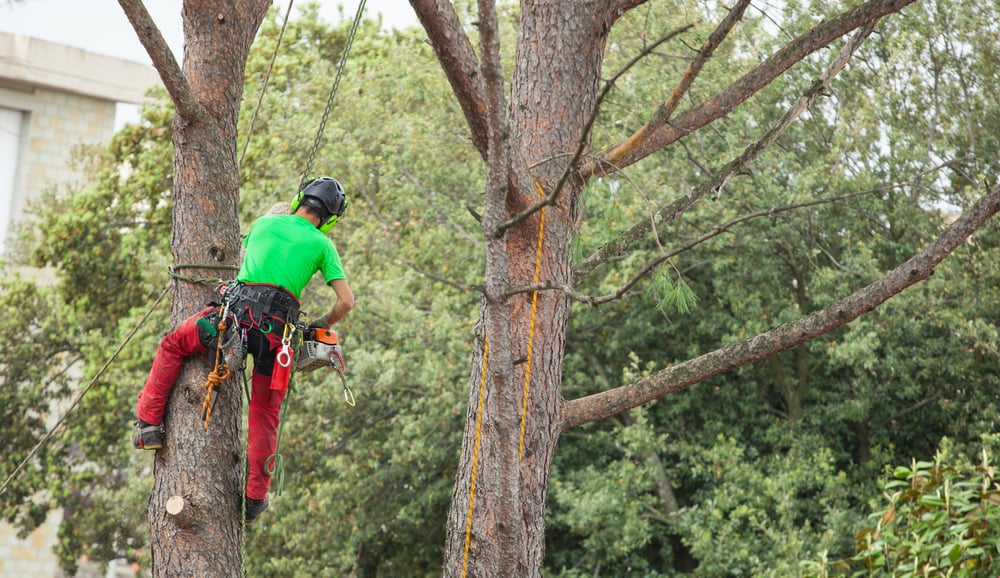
319,323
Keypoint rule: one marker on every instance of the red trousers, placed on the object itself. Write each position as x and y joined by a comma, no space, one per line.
265,403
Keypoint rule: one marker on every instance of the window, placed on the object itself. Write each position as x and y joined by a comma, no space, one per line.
11,127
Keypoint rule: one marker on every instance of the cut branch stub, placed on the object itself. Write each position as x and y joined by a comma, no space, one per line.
185,514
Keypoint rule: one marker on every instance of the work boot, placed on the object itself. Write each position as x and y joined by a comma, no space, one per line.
254,508
147,436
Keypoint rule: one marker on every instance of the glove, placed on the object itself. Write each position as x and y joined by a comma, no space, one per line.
319,323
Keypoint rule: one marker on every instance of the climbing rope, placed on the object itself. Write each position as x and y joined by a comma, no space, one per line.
482,388
83,392
172,271
263,88
531,327
475,456
219,374
333,91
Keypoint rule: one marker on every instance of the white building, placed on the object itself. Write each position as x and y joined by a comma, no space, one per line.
52,98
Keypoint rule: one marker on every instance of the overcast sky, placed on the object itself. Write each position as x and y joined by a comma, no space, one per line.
101,26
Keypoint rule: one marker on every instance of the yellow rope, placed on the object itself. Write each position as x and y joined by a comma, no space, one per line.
531,328
475,457
482,390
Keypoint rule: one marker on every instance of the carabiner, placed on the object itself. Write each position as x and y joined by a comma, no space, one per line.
284,357
348,394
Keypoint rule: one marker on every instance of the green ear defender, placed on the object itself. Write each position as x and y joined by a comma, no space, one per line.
325,194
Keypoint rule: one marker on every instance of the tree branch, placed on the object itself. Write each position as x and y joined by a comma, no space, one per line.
657,137
615,155
498,161
719,180
581,145
616,8
659,259
458,60
681,376
173,78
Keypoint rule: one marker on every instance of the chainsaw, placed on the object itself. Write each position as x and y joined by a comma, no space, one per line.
321,348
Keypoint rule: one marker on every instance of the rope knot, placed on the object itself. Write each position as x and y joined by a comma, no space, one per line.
216,377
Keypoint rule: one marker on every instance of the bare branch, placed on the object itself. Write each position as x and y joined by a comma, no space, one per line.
614,156
688,373
718,230
735,94
617,8
498,160
458,60
653,264
719,180
581,145
173,78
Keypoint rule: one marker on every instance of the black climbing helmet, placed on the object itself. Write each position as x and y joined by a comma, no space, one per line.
326,195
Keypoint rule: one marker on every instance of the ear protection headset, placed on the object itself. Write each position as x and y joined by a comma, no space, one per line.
329,196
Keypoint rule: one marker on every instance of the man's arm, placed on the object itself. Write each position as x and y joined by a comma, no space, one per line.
343,303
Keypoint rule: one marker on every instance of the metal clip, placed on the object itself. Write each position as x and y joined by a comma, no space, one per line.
284,357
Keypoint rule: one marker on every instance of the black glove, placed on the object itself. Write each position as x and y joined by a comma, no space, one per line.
319,323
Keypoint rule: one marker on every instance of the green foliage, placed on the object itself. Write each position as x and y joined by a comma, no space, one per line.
773,463
600,514
375,480
942,519
674,295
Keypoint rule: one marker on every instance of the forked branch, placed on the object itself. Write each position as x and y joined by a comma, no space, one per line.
581,145
719,180
738,92
163,59
613,157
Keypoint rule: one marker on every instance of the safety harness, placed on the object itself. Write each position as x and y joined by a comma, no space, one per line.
266,307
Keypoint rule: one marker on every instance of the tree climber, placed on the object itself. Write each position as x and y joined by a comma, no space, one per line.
283,252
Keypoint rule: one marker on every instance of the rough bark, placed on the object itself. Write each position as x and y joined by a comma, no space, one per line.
203,466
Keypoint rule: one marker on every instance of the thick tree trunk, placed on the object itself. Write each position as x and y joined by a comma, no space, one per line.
203,467
513,427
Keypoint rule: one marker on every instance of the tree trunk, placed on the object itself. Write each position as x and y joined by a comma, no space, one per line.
202,467
553,95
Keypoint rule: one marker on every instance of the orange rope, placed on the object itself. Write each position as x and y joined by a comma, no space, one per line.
482,391
531,329
218,375
475,457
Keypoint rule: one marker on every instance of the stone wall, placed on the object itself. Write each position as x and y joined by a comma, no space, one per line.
32,556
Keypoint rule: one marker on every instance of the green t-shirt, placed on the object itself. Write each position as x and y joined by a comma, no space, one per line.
287,250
